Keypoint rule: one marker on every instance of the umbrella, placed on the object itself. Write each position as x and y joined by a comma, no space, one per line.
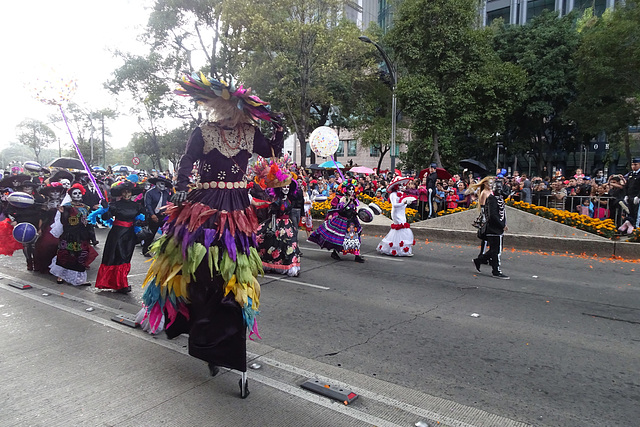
66,163
122,169
315,166
98,169
474,166
329,164
361,169
442,173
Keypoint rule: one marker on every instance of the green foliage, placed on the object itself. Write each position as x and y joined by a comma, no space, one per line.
303,57
454,83
35,135
544,48
608,77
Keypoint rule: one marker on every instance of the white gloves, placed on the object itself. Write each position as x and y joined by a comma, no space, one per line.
623,206
636,200
179,197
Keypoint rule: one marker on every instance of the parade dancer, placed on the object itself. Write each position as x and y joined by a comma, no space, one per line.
75,252
341,230
430,184
121,240
203,276
399,240
277,246
496,217
47,243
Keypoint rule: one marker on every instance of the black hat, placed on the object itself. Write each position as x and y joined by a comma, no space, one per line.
635,160
116,191
8,181
52,188
157,179
61,174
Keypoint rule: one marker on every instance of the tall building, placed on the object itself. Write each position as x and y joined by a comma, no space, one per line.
522,11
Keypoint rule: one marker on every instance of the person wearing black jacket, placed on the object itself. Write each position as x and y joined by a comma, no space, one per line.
430,184
632,197
492,232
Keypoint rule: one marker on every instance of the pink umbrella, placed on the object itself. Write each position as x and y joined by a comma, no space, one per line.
361,169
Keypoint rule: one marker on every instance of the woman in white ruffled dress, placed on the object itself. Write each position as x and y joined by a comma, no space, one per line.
399,240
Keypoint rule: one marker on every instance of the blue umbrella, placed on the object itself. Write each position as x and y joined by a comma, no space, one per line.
98,169
329,164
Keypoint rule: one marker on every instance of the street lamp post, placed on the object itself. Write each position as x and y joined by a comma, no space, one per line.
394,76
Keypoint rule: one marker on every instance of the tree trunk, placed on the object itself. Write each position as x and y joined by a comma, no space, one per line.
436,149
627,149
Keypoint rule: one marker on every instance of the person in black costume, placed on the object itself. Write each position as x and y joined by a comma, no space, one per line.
496,216
154,201
430,184
121,240
632,197
32,214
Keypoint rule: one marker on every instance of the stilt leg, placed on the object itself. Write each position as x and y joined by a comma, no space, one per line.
244,386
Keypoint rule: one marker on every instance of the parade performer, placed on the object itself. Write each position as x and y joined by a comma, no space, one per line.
31,214
306,223
47,243
492,231
203,275
276,244
399,240
121,240
75,252
154,200
341,230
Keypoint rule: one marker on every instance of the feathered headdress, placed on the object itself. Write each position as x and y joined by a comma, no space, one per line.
271,173
203,89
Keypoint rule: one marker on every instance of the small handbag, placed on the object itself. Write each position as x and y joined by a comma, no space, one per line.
480,221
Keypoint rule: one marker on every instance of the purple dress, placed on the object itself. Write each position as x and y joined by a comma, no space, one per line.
203,277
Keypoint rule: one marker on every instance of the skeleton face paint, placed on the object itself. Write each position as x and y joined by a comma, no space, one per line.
126,194
65,183
285,190
402,187
76,195
161,186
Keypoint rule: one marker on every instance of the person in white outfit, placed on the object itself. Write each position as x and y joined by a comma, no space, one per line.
399,240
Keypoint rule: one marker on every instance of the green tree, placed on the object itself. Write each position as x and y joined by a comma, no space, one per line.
545,49
451,81
608,78
35,135
304,56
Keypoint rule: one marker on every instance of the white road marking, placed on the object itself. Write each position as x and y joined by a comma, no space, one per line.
296,282
385,258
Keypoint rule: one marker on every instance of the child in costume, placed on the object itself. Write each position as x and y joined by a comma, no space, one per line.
203,274
341,230
399,240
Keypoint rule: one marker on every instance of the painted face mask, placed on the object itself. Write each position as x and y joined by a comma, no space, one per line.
76,195
66,183
285,190
161,186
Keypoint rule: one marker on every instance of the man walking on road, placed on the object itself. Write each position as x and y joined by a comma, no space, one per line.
432,178
496,215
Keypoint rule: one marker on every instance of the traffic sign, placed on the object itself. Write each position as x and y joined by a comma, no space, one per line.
135,161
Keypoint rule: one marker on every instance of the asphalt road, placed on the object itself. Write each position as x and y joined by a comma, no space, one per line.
557,345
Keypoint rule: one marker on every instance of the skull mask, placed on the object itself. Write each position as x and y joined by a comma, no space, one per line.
76,195
161,185
285,191
65,183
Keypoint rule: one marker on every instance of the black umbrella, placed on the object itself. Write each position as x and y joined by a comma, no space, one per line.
474,166
315,166
67,163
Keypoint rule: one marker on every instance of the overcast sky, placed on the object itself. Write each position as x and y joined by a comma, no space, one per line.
73,37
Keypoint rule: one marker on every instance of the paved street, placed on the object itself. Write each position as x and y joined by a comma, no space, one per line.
557,345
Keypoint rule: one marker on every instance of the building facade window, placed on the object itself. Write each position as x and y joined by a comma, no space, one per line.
340,150
352,148
536,7
503,13
374,152
308,151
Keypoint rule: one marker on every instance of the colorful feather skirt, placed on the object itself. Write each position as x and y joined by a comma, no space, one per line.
196,234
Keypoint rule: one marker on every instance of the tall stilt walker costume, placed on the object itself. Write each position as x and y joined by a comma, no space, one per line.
203,275
399,240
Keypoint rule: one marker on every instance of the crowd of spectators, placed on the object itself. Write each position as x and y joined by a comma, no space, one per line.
596,197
